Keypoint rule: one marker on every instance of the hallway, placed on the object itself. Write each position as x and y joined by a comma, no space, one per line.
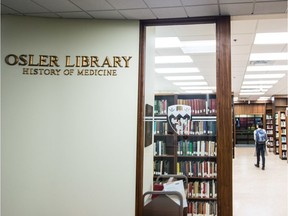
257,192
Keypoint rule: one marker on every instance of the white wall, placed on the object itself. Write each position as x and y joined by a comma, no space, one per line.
69,142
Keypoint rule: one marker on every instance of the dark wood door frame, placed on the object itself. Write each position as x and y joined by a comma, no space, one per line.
224,116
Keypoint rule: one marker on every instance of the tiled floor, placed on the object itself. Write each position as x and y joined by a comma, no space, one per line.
257,192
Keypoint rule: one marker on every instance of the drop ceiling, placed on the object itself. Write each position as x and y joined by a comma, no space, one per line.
248,17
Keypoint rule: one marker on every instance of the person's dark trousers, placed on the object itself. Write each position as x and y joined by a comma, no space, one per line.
260,150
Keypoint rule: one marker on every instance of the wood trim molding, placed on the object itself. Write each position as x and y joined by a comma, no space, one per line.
224,112
224,118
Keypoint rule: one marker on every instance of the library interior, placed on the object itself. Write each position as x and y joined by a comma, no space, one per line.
171,93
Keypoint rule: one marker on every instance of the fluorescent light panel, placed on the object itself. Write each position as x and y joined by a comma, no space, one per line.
184,77
173,59
177,70
263,98
253,90
190,83
167,42
199,91
271,38
204,46
268,56
256,86
268,68
197,87
251,93
263,76
260,82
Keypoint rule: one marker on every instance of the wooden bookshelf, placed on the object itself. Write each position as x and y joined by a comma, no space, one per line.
190,144
280,102
269,126
282,135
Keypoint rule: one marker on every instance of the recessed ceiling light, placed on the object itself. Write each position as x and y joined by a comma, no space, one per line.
190,83
268,56
177,70
199,91
204,46
167,42
251,93
268,68
271,38
198,87
184,78
263,76
173,59
263,98
257,87
260,82
253,90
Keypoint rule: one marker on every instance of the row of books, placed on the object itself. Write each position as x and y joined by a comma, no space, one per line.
161,167
187,127
202,189
160,127
160,107
199,106
283,124
196,148
202,127
160,148
205,169
200,208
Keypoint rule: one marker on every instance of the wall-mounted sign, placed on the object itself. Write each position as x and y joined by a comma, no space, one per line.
77,65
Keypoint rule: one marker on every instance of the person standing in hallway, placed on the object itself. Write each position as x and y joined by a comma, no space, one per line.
260,138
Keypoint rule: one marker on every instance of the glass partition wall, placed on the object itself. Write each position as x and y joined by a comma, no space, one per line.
180,127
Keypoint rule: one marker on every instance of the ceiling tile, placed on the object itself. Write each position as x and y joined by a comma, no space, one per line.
240,58
106,14
127,4
236,9
243,26
267,48
161,3
81,15
242,39
92,4
208,10
62,5
24,6
240,50
198,2
270,7
138,14
169,12
272,25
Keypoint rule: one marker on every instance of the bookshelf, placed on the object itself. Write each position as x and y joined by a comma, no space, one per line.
282,134
280,102
185,144
269,126
245,126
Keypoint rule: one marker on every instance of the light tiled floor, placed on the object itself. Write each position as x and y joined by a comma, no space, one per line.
257,192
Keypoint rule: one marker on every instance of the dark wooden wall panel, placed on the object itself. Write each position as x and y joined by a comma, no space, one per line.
240,109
